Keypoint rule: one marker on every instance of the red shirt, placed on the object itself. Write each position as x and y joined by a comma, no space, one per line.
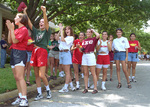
89,44
76,53
30,47
132,46
21,35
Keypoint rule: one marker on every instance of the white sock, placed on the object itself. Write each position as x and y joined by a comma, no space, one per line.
62,71
133,77
25,97
20,95
47,87
129,77
97,82
77,82
66,86
39,90
103,82
88,82
71,84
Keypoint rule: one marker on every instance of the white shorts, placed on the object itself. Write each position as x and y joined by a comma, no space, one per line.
100,66
19,64
89,59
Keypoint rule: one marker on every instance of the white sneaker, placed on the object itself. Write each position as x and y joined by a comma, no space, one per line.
73,88
77,87
23,102
130,79
61,74
133,79
38,97
92,86
82,75
63,90
17,101
103,88
49,94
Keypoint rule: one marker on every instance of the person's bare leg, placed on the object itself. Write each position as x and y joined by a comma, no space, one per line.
133,68
67,72
111,69
118,70
76,71
86,76
56,66
98,70
104,74
129,67
52,65
124,68
37,78
28,72
42,75
19,70
92,69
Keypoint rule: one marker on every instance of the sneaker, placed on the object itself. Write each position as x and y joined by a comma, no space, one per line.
92,86
61,74
49,94
73,88
103,88
24,102
77,87
17,101
133,79
63,90
82,75
38,97
130,79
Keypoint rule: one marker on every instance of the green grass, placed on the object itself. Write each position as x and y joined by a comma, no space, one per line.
7,80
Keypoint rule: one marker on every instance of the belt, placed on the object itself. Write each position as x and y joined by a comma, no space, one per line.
119,51
65,50
29,51
132,52
87,52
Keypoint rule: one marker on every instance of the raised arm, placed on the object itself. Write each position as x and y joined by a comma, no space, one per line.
61,32
43,8
98,46
11,29
109,45
57,37
29,21
96,33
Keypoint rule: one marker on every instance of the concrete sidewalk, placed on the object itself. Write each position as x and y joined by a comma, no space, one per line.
138,96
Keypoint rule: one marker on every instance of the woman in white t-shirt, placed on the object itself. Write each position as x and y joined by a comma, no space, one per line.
66,41
120,46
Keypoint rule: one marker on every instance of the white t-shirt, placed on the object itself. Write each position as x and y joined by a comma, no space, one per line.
67,44
104,47
147,56
120,44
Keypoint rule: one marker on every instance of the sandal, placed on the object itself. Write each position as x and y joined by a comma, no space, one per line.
28,83
94,92
119,85
106,79
111,79
85,91
129,86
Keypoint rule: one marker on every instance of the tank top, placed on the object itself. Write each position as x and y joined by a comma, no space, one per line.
133,44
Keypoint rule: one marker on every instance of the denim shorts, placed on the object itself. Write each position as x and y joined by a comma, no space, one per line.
65,58
133,57
120,56
29,56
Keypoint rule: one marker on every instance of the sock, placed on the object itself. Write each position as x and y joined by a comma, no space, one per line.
66,86
77,82
71,84
24,97
133,77
129,77
39,90
88,83
47,87
97,82
103,82
20,95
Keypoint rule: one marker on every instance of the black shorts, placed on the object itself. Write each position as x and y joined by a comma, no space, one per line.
18,56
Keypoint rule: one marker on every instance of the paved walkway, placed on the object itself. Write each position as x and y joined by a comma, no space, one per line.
138,96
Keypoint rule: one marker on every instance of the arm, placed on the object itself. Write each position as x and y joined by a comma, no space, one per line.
139,46
98,46
9,37
126,60
97,34
109,45
29,21
57,37
73,48
43,8
61,32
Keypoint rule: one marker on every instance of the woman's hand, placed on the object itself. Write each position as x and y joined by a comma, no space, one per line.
61,26
43,8
10,25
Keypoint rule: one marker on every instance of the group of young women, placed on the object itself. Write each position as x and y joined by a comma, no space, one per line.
63,43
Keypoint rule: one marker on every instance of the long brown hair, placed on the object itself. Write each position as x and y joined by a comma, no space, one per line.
71,31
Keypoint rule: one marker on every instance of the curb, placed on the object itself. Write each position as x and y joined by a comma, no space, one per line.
12,94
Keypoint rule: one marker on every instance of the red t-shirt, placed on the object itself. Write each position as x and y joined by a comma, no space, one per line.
30,47
133,44
76,53
21,34
89,44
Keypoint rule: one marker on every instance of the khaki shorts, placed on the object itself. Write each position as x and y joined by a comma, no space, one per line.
54,54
